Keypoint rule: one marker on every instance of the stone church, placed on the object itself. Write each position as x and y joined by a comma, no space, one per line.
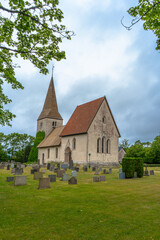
90,136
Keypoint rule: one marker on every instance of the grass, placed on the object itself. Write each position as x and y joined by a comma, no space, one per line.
116,209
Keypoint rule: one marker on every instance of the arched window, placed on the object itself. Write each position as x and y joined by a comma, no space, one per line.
42,158
56,152
48,153
98,145
108,146
104,119
103,144
74,143
54,124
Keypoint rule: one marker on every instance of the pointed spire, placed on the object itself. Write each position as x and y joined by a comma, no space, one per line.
50,108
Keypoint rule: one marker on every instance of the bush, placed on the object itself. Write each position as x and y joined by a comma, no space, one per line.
139,167
128,166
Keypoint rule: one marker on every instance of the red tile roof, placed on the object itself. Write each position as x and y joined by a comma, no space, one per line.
82,118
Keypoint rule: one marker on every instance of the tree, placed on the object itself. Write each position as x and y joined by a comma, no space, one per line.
153,154
124,144
31,30
136,150
33,155
149,12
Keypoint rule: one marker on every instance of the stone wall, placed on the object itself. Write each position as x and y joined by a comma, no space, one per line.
46,125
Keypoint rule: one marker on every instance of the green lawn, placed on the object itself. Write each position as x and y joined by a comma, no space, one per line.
115,209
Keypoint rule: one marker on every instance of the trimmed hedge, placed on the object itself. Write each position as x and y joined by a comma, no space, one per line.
131,165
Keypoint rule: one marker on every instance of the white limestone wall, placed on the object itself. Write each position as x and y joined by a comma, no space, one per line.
98,129
51,157
46,125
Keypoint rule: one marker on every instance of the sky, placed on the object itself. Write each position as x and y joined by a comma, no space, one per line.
102,59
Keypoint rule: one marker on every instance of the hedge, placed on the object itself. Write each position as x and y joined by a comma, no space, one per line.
131,165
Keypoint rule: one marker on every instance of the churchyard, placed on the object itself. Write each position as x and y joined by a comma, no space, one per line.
118,209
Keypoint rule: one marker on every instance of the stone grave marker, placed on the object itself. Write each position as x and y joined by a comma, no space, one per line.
122,175
95,178
100,169
151,172
70,164
135,174
44,183
22,166
65,177
146,172
93,168
34,170
102,178
85,168
37,175
51,168
8,167
72,180
60,173
74,173
20,180
18,171
43,171
12,165
104,171
1,167
64,166
120,170
10,179
13,170
110,170
96,172
48,166
52,178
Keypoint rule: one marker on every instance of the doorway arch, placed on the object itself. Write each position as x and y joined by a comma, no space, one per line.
68,154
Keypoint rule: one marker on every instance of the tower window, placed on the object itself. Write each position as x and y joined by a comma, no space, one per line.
54,124
41,124
56,152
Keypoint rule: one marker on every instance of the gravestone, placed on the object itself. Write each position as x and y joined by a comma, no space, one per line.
34,170
13,170
85,168
22,166
95,178
122,175
52,178
151,172
1,167
37,175
18,171
60,173
8,167
135,174
10,179
43,171
100,169
44,183
120,170
70,164
93,168
72,180
51,167
64,166
65,177
20,180
104,171
146,173
48,166
12,165
102,178
74,174
110,170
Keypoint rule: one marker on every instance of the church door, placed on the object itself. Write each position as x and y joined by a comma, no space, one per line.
67,154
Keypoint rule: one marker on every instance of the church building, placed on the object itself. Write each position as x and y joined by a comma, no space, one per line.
90,135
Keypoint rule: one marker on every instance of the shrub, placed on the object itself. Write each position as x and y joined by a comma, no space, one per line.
139,167
128,166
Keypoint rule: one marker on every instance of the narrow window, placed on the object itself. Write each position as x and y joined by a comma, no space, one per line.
104,119
42,158
108,146
74,143
98,145
103,144
48,153
54,124
41,124
56,152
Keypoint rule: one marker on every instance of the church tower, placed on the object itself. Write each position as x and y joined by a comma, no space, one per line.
49,118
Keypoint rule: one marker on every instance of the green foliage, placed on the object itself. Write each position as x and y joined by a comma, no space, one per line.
124,144
31,30
149,13
128,166
15,144
139,167
3,154
136,150
33,155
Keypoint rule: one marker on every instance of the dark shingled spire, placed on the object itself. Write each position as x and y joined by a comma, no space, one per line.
50,108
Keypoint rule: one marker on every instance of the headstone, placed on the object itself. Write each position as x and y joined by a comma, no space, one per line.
70,164
120,170
95,178
8,167
72,180
51,168
44,183
34,170
64,166
96,172
151,172
100,169
102,178
93,168
20,180
65,177
104,171
13,170
122,175
85,168
48,166
60,173
146,173
43,171
74,174
110,170
10,179
135,174
22,166
18,171
37,175
12,165
1,167
52,178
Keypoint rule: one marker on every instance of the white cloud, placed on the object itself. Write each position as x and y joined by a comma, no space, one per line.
89,4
